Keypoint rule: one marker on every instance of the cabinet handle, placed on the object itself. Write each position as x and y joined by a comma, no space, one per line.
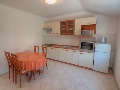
51,48
74,51
66,50
81,53
53,33
104,52
56,33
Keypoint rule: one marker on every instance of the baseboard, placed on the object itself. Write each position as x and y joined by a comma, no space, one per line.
3,74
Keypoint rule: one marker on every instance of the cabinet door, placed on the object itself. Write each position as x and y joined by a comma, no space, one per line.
77,27
70,27
56,28
75,59
88,20
67,27
55,53
68,55
52,53
101,61
47,25
86,59
63,27
61,54
65,55
49,52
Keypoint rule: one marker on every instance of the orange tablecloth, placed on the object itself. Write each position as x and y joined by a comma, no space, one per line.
31,60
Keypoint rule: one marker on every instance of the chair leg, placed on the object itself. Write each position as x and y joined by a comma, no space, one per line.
9,72
39,71
34,74
46,65
15,78
13,73
20,80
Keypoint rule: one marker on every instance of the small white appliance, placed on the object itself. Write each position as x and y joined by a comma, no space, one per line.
102,57
104,40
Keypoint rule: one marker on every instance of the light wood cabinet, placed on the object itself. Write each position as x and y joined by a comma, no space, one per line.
86,59
77,27
47,25
83,21
67,27
56,28
75,58
65,55
88,20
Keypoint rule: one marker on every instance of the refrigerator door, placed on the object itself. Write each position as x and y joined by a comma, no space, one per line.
101,61
102,47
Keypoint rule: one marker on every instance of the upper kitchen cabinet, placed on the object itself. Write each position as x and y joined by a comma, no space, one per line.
47,26
77,27
88,20
56,28
67,27
80,24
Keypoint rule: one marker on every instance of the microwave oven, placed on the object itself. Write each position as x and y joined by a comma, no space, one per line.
86,44
87,32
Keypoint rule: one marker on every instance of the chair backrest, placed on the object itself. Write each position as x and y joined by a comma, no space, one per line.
15,61
8,57
36,48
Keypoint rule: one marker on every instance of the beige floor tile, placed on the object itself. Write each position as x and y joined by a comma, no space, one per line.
60,76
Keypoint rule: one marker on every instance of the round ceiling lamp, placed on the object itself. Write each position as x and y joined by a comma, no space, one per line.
50,1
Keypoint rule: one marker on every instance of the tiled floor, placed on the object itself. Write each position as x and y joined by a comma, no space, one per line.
61,76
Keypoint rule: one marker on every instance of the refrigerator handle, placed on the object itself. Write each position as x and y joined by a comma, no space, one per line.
93,62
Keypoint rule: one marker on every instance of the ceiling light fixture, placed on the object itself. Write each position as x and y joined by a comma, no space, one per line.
50,1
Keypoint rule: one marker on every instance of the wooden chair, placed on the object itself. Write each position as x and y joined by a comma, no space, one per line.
10,64
18,69
36,48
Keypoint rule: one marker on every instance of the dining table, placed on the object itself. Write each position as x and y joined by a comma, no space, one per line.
31,61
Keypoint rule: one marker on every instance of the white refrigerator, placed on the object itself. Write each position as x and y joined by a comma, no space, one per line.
102,57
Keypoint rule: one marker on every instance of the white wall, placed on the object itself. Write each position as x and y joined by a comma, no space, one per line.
117,56
106,26
18,31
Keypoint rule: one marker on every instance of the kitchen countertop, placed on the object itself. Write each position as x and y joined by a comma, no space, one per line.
63,46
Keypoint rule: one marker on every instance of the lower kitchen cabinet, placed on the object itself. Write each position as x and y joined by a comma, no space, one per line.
52,53
86,59
65,55
75,58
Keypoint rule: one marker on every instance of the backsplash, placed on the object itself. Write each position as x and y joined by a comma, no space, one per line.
74,39
61,39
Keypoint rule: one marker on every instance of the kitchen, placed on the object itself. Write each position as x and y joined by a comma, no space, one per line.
22,22
59,54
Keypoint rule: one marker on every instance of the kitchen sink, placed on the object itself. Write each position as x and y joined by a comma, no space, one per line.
49,45
67,47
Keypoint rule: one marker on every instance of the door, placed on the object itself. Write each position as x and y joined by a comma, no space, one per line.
61,54
48,25
86,59
55,53
49,52
88,20
75,59
56,28
77,27
65,55
63,27
101,61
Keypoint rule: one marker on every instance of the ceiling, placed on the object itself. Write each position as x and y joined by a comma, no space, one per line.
63,7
